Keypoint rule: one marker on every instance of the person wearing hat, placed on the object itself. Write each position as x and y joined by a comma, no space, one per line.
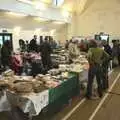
96,56
5,55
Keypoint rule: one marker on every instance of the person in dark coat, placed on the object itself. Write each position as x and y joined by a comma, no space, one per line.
22,45
67,44
105,65
27,46
115,53
5,54
46,50
33,44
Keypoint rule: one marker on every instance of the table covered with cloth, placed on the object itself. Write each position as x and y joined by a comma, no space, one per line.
34,103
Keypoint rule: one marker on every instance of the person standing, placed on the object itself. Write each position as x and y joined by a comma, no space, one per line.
0,57
5,55
115,53
45,50
67,44
73,50
106,65
33,44
22,45
26,46
118,45
96,56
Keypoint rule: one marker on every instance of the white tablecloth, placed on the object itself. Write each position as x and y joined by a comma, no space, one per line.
32,104
83,75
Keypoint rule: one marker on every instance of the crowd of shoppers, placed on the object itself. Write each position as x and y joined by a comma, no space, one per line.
14,60
99,55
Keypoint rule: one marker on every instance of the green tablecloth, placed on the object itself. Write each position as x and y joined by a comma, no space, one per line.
61,95
64,89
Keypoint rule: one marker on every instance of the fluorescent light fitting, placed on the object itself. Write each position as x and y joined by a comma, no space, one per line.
58,22
40,6
65,13
40,19
16,14
26,1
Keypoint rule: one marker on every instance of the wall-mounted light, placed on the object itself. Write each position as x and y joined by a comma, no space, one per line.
16,14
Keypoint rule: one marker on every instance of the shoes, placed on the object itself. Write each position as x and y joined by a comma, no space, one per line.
100,95
93,97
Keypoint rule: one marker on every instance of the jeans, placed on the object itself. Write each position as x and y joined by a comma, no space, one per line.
94,71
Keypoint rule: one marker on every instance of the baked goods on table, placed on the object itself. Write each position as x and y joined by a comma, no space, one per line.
23,87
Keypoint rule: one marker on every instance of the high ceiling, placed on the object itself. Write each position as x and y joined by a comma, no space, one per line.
69,5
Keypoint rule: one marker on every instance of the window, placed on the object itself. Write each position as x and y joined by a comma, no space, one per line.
58,3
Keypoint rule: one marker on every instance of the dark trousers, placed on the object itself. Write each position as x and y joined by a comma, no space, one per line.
94,70
105,83
46,61
119,59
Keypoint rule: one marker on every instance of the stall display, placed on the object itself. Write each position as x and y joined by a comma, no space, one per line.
60,56
32,95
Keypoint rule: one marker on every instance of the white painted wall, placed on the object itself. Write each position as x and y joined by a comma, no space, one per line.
99,16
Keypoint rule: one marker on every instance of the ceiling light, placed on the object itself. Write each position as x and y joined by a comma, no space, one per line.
40,6
52,32
67,7
46,1
16,14
58,22
65,13
40,19
26,1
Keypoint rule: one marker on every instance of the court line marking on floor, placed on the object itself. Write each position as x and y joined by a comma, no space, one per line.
104,98
74,109
78,105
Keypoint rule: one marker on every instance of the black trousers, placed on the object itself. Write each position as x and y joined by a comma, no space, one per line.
94,70
119,59
46,61
105,83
